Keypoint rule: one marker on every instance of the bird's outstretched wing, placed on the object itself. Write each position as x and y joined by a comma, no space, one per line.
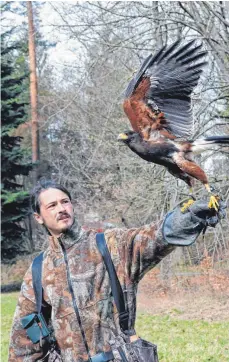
158,97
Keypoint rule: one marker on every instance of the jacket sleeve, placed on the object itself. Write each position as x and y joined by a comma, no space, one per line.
141,249
137,250
20,347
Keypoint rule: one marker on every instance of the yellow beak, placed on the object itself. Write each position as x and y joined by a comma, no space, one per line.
122,136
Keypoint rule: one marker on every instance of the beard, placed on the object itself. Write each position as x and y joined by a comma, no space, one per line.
64,229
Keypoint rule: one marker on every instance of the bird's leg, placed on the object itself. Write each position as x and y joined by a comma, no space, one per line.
186,205
191,193
213,203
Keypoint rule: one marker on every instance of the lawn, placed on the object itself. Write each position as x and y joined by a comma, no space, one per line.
186,341
177,340
8,305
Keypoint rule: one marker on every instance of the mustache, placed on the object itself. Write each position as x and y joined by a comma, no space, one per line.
62,216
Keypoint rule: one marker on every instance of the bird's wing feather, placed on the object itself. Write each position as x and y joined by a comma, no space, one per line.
165,81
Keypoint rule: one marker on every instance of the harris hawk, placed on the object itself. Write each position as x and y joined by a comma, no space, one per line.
158,105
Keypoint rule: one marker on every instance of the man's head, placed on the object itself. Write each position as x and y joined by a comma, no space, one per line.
52,206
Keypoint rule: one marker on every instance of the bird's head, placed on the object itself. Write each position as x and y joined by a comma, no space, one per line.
129,137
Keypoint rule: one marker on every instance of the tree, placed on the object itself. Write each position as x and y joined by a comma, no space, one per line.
33,87
14,94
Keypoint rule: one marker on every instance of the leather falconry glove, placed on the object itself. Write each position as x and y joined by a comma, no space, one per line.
183,228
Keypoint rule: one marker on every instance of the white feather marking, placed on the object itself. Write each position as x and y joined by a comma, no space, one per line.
201,145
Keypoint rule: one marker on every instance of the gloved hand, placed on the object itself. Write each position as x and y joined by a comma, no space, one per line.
183,228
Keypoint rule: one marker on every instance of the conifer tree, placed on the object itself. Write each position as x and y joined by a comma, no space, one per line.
15,201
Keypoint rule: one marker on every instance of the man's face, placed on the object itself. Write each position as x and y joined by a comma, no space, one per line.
56,211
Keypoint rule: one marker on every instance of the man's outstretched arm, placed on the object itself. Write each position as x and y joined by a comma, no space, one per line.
142,248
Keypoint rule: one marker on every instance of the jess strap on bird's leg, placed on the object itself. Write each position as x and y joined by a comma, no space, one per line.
183,228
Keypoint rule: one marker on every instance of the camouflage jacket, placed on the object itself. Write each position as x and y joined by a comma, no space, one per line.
134,252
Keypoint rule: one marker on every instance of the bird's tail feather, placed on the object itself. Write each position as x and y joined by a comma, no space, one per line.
204,144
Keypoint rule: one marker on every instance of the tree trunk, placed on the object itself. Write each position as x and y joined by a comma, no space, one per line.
33,90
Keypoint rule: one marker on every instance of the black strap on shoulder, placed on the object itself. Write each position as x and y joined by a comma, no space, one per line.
115,284
37,280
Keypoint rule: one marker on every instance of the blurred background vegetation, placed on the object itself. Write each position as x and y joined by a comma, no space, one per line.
85,53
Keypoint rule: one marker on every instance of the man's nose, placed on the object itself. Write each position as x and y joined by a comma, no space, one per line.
60,207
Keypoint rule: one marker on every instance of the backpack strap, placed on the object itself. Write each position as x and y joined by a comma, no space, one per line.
115,284
37,280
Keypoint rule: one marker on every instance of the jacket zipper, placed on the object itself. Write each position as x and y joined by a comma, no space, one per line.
74,299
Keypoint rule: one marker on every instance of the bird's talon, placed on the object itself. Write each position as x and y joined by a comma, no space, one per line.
213,203
186,205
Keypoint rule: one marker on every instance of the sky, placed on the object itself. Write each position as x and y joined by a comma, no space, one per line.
66,51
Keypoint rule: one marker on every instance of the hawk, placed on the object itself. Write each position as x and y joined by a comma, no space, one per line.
158,105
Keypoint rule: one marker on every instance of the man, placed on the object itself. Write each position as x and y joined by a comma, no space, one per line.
73,272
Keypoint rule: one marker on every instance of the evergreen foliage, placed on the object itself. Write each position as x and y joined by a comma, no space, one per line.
15,201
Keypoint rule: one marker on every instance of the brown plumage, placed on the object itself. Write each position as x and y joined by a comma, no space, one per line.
158,105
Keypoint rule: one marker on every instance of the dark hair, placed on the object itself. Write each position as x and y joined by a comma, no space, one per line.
42,185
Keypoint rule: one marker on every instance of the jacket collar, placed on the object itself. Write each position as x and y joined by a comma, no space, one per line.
68,238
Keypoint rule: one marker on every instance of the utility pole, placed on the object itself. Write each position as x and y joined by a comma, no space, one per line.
33,89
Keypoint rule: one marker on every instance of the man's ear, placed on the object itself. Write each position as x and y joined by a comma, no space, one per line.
38,218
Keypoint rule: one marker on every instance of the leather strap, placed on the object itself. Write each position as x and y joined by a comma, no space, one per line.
115,284
37,280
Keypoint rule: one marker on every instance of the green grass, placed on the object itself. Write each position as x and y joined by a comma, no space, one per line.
185,341
8,305
177,340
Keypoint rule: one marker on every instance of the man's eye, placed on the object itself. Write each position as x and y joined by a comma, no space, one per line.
50,206
66,201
